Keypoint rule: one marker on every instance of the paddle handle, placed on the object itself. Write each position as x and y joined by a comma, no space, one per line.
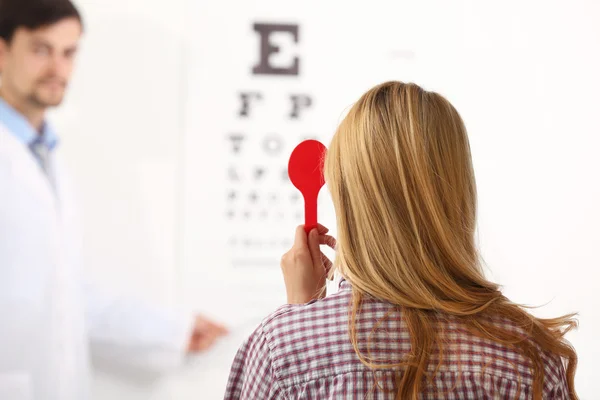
310,211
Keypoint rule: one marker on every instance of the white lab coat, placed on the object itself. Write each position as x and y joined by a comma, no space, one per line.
48,316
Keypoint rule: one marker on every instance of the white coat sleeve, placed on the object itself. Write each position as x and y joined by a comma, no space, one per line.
133,334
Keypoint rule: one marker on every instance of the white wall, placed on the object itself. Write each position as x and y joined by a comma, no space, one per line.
156,95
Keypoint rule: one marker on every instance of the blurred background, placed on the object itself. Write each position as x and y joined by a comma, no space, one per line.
179,124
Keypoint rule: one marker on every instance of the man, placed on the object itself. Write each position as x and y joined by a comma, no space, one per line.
47,316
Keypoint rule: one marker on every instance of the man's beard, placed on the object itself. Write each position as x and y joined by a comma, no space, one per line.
39,100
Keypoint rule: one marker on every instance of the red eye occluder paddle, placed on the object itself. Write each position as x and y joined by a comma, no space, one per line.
305,170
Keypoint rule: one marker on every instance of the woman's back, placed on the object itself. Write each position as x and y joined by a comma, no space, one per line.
401,179
305,352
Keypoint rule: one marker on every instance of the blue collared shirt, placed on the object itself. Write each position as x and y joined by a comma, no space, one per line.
20,127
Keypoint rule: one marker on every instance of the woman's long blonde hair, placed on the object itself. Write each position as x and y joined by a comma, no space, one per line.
400,175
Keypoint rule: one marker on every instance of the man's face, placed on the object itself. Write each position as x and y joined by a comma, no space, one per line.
37,64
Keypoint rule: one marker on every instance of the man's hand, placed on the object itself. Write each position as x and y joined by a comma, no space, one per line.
204,335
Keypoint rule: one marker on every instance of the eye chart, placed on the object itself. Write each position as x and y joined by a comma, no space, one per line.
260,81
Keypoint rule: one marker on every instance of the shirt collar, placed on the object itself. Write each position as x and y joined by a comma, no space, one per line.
344,284
18,125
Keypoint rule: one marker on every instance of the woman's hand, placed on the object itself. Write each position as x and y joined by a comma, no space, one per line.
305,267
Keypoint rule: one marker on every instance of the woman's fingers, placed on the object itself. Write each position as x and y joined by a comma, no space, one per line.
322,229
327,240
326,262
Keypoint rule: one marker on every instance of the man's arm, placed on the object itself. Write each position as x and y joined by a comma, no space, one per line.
131,333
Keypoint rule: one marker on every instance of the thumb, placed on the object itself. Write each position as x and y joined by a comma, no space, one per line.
300,239
314,248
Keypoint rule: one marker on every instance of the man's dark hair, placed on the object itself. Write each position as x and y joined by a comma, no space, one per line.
33,14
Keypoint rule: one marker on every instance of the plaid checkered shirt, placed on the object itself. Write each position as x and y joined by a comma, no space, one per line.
304,352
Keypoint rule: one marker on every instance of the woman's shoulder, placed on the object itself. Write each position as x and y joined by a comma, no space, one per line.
312,341
292,317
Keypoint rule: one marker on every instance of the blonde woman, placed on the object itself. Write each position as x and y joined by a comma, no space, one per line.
415,317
